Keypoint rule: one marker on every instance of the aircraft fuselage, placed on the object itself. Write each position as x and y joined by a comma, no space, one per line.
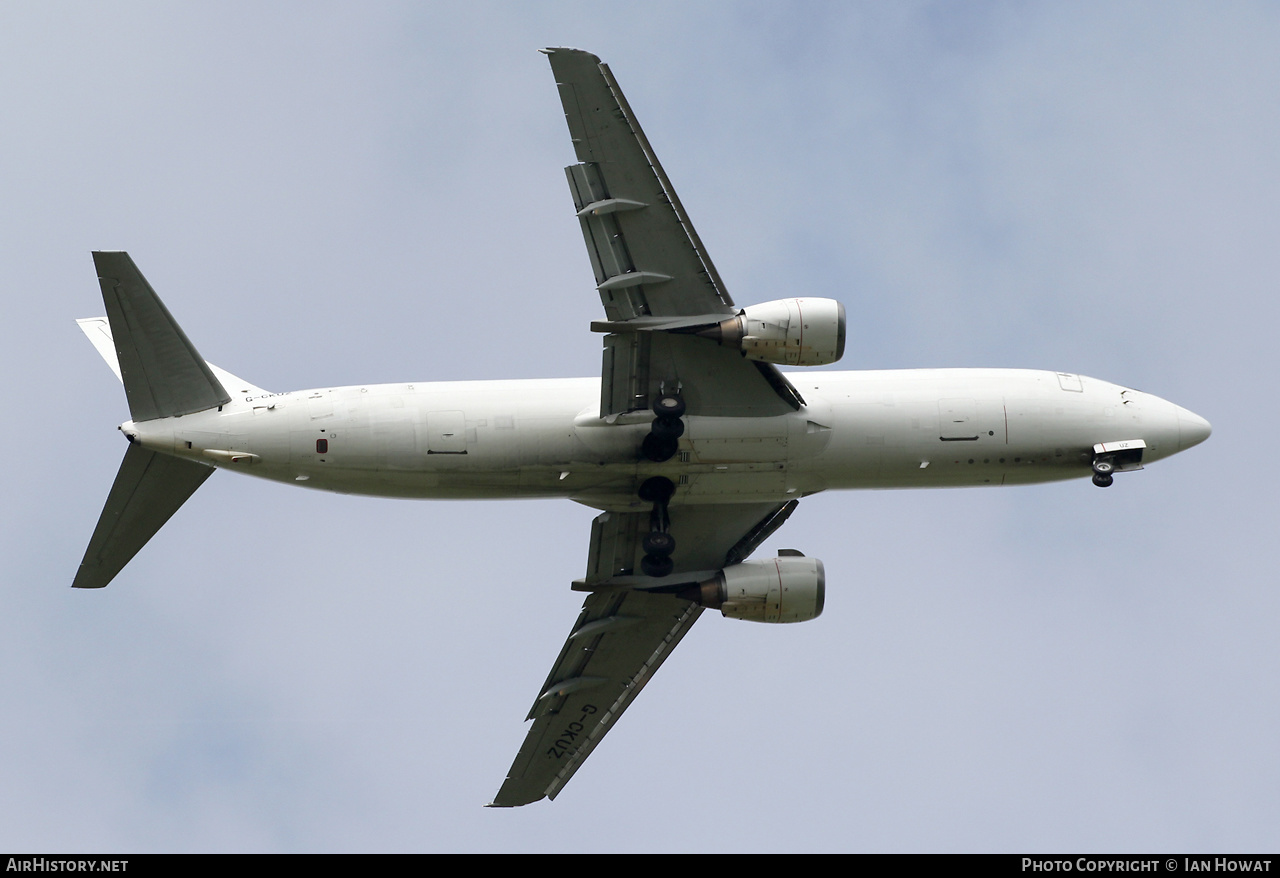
543,438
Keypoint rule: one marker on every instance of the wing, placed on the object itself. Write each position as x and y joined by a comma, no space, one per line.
619,640
655,279
623,634
658,288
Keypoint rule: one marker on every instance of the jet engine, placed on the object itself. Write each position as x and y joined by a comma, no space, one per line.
790,332
789,588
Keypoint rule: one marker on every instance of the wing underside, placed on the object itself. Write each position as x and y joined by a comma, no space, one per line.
655,279
623,635
619,640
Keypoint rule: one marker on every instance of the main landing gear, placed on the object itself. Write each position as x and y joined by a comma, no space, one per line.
660,445
664,435
658,544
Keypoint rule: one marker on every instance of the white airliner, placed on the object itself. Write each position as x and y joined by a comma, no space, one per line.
691,443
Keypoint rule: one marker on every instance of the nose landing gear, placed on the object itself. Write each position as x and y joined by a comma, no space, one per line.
1116,457
1102,470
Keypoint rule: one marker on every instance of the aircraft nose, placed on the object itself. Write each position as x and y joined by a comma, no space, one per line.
1192,429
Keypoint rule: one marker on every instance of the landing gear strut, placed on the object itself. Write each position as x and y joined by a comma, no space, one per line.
658,544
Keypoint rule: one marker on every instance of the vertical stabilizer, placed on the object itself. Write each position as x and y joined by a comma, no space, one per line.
163,373
148,489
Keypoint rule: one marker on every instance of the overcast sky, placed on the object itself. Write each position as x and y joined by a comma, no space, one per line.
330,194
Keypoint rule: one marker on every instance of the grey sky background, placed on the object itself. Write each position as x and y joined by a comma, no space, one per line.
330,194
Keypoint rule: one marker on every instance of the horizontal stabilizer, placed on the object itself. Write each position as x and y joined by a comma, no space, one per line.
148,489
163,373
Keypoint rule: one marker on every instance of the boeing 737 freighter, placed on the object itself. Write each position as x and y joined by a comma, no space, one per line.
691,443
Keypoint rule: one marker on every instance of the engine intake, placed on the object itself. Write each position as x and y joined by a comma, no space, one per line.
789,588
789,332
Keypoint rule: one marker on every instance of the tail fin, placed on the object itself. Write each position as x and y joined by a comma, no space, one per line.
148,489
163,374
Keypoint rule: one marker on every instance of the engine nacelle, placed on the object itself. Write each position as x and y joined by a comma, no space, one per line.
789,588
790,332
